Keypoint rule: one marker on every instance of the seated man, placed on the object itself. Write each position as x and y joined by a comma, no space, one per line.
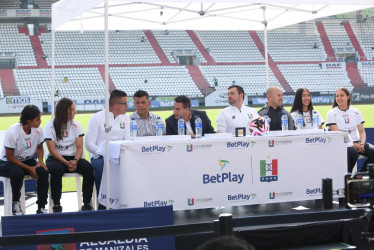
274,109
145,120
182,108
237,114
119,124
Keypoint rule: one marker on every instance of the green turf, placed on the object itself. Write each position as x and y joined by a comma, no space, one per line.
69,183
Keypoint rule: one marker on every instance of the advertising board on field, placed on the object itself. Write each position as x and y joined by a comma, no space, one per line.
15,104
219,98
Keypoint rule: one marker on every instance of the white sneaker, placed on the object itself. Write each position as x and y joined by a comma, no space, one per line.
42,211
16,208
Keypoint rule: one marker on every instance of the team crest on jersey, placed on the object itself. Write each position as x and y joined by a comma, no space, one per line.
122,125
28,144
308,120
65,133
346,120
250,116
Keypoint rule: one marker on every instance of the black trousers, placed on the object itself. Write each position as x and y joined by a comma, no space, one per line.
369,153
17,174
57,169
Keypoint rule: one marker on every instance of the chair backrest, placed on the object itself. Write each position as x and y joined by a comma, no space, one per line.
2,137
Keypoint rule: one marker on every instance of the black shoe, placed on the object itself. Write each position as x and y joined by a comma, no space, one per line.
42,210
57,209
86,207
101,207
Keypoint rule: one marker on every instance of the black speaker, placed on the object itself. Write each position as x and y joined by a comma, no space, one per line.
327,193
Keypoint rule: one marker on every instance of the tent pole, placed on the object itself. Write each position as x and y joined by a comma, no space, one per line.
107,129
266,48
53,75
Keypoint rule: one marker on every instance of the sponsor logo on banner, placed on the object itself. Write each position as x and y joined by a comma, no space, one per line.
156,149
314,191
273,143
158,203
56,245
45,12
274,195
318,140
111,200
241,197
238,145
195,147
223,177
193,201
130,244
3,12
23,12
269,170
189,148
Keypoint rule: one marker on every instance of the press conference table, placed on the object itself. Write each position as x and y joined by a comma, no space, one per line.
219,171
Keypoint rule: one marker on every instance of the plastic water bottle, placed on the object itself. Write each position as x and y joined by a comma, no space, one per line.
198,127
299,121
284,120
133,128
315,120
180,126
267,119
159,126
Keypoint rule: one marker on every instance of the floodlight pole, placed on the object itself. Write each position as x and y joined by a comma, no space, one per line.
266,47
107,129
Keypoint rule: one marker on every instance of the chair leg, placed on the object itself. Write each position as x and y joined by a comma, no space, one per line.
7,196
94,198
23,198
78,182
50,201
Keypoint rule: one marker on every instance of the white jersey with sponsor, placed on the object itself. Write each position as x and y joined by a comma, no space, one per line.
347,120
307,119
231,117
66,146
24,145
95,133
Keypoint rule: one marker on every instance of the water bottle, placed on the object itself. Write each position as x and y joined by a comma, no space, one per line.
198,127
284,120
299,121
267,119
315,120
180,126
133,128
159,126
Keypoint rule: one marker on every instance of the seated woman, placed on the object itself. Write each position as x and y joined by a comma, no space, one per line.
303,103
21,142
64,138
343,117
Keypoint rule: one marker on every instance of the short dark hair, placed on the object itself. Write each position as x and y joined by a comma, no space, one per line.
184,100
238,88
115,96
226,243
140,93
29,112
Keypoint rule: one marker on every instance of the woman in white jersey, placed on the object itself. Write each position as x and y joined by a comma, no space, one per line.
64,138
343,117
303,103
22,141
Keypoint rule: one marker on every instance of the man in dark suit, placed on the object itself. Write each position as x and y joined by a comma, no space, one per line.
182,108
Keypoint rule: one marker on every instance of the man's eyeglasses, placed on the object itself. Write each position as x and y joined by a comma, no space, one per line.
123,103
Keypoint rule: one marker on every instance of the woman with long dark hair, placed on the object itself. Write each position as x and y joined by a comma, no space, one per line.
22,141
64,138
303,104
343,117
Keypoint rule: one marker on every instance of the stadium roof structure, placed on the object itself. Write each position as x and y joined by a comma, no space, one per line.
196,15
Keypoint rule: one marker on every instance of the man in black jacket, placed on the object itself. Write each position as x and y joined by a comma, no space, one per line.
182,108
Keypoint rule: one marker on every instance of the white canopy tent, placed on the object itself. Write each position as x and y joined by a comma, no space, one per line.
187,15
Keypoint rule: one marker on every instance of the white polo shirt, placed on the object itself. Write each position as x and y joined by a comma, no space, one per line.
95,133
346,121
24,145
66,146
307,119
231,117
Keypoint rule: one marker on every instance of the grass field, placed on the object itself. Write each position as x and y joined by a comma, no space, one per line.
69,183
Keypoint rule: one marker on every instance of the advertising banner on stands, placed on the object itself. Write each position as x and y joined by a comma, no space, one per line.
288,100
15,104
219,98
333,65
363,65
363,95
6,13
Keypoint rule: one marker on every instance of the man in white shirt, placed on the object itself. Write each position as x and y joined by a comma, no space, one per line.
237,114
145,120
119,124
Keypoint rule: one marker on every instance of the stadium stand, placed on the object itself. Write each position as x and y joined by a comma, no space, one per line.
368,76
230,46
157,80
250,77
336,33
365,35
13,41
75,48
10,4
81,82
295,43
44,4
173,40
316,79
